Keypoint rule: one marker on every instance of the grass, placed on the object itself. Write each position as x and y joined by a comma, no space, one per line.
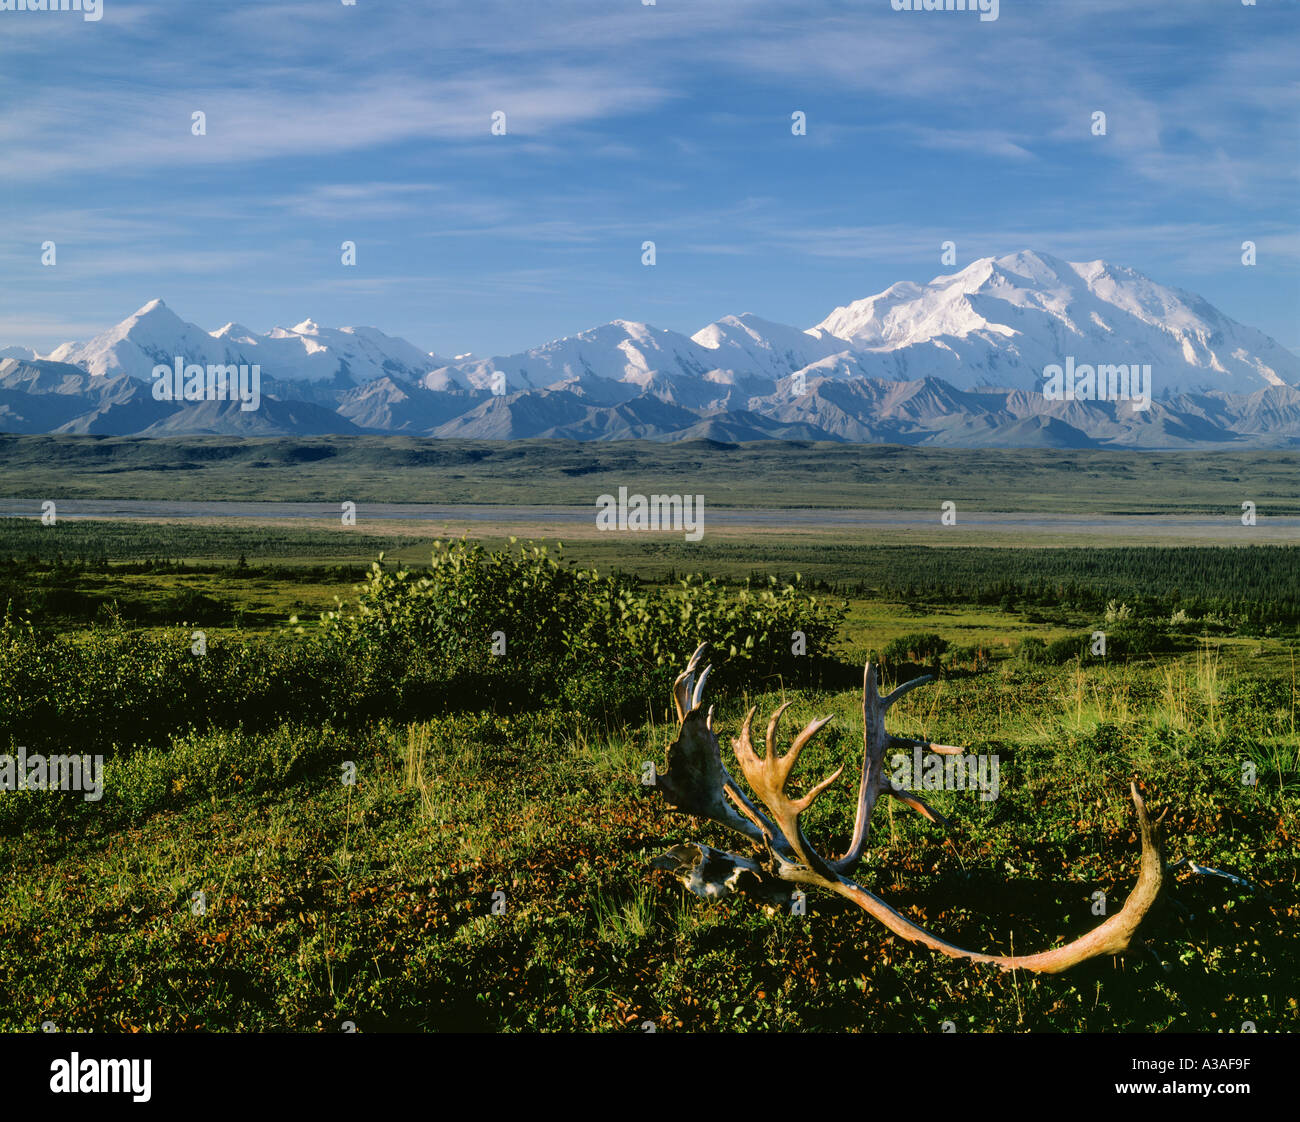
373,902
372,469
489,871
253,577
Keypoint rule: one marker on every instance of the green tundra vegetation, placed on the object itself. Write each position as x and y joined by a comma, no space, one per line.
770,473
495,703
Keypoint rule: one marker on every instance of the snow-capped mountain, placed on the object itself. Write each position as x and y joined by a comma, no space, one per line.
959,360
999,322
631,353
748,343
737,351
307,352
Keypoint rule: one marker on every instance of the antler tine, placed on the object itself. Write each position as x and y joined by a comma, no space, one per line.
811,729
937,749
918,804
870,682
817,788
797,745
686,694
769,775
897,693
874,739
697,694
770,739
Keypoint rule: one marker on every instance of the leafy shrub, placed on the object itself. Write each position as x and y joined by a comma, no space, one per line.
1105,739
974,658
1265,706
1031,651
1141,637
1065,648
1128,640
523,627
412,645
922,649
109,691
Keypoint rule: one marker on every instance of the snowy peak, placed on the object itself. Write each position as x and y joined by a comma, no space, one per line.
150,336
749,343
1000,321
155,335
1041,270
620,351
236,333
154,320
900,365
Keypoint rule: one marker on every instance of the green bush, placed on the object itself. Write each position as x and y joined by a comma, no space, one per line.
1141,637
1265,706
1121,643
523,627
110,691
921,649
1031,651
412,645
1067,647
974,658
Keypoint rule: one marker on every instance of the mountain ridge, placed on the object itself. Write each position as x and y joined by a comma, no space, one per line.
960,359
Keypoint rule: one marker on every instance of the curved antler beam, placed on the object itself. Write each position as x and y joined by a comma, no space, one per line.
1111,937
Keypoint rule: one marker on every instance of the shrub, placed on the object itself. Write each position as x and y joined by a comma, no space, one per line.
1264,706
1031,651
523,627
412,645
922,649
1140,637
1067,647
110,691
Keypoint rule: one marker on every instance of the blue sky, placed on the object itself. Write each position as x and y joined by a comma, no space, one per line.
630,122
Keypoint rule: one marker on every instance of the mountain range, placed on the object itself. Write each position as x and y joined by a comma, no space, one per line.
957,362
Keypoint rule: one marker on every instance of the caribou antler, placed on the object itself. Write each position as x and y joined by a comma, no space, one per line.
697,782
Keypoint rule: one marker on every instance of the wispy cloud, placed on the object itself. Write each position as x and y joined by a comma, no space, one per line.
628,122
